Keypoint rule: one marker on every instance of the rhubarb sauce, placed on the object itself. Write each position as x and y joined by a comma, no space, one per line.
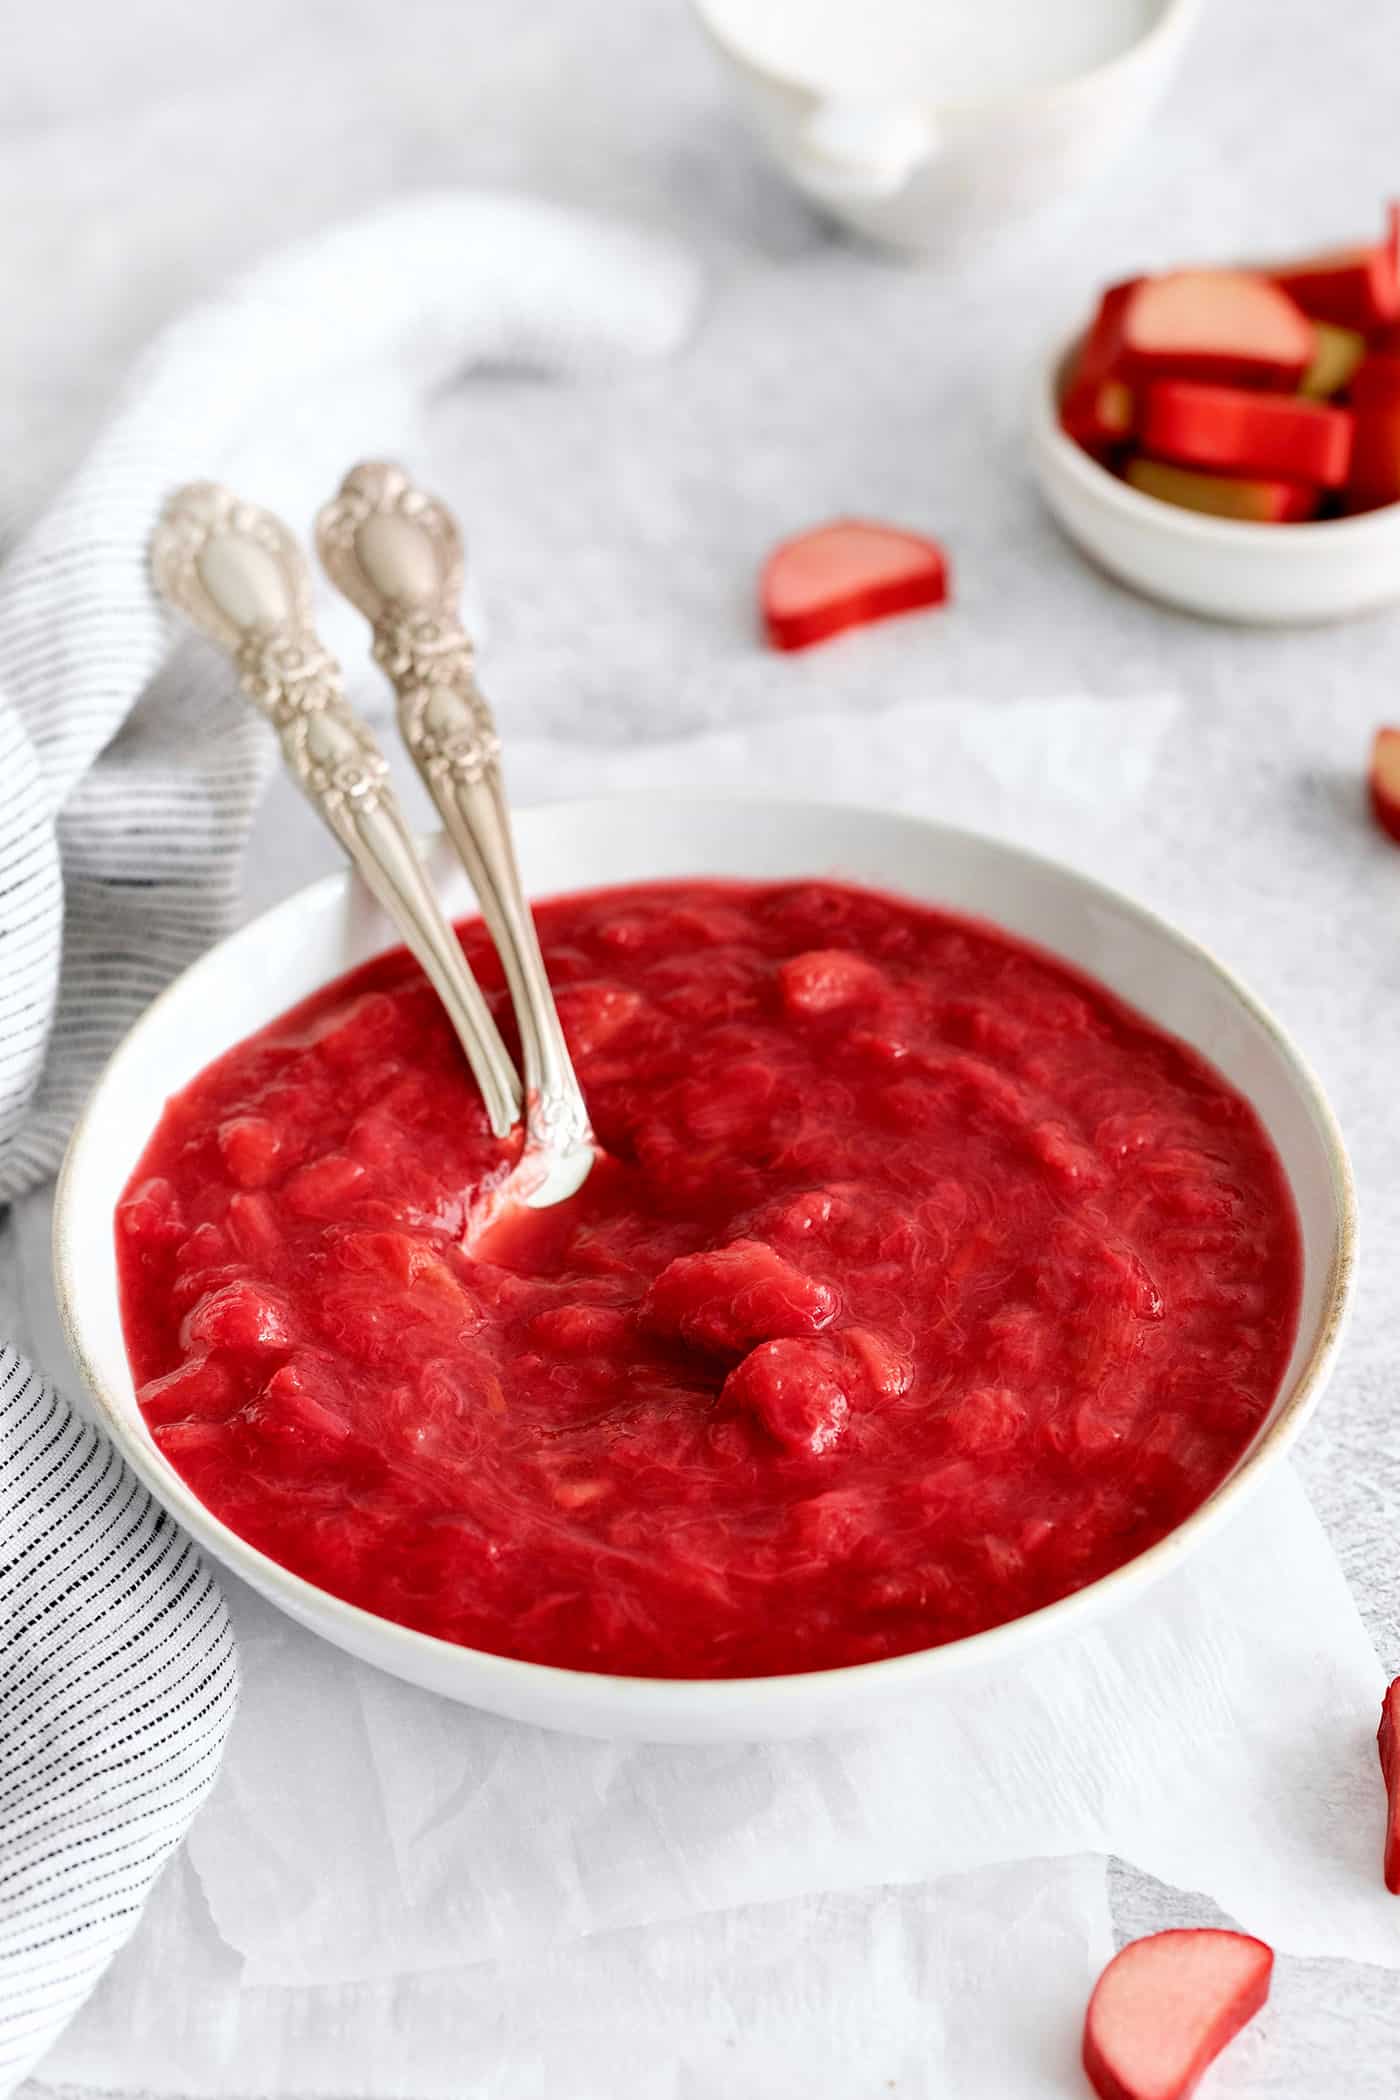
921,1283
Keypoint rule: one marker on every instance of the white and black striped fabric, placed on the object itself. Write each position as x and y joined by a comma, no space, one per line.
127,786
117,1686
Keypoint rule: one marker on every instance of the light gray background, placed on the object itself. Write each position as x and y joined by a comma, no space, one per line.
147,149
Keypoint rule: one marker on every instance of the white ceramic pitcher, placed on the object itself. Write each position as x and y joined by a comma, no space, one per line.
929,123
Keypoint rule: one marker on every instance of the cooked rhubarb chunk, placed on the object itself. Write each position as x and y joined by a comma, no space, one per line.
151,1213
829,980
251,1148
1250,500
733,1296
798,1392
240,1316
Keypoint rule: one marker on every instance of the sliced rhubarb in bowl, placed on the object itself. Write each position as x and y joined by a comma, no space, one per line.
1234,431
1374,480
847,574
1166,2006
1098,413
1250,501
1225,326
1376,383
1383,785
1352,287
1337,352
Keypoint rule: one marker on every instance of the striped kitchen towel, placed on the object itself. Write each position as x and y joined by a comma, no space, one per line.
130,782
117,1683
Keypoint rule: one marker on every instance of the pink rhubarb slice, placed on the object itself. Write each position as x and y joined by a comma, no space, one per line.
1166,2006
845,575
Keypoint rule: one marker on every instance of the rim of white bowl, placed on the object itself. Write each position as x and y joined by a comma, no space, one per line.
1057,448
720,1693
1172,21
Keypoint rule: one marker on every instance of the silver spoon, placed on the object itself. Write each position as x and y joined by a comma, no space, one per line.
238,574
396,553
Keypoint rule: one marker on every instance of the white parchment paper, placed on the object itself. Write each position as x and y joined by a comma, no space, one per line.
974,1988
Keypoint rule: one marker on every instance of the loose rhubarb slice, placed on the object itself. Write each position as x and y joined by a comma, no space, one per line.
1375,459
1165,2007
1253,502
1353,287
1226,326
1388,1734
1384,784
845,575
1336,354
1246,433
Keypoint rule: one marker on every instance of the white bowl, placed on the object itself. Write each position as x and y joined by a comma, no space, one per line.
934,126
1264,575
328,928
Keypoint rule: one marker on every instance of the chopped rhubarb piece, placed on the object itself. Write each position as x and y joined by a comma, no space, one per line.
1353,287
239,1316
1225,326
322,1187
1253,501
1388,1738
1336,354
845,575
822,981
151,1214
1377,381
593,1014
200,1389
1384,781
1246,433
728,1298
1165,2007
1375,459
796,1389
251,1147
1098,413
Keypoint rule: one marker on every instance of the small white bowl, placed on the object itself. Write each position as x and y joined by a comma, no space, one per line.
328,928
1260,575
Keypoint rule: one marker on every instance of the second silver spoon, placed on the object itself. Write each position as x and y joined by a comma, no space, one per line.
396,553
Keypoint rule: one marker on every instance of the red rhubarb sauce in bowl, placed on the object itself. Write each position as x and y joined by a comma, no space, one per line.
922,1283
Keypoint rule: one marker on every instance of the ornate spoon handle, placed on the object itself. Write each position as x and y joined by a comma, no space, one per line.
237,573
396,553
